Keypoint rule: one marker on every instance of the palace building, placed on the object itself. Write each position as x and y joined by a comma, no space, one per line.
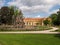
33,21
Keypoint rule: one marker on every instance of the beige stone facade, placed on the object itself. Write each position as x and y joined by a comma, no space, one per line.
33,21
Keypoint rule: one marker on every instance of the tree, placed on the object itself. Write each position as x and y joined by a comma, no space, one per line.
58,17
9,15
5,15
0,16
12,12
15,12
20,19
54,18
17,16
47,22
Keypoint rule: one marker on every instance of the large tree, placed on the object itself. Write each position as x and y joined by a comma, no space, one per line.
5,15
19,19
58,17
9,15
54,18
17,16
12,12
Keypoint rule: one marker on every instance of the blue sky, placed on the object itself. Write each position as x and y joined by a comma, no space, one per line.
34,8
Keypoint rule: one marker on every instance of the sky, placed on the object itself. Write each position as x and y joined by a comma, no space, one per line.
34,8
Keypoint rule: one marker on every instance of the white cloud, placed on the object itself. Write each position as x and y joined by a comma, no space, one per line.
34,6
1,3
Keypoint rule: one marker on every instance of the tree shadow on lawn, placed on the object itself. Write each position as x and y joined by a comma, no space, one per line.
57,35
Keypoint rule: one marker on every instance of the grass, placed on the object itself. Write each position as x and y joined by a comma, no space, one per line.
29,39
43,27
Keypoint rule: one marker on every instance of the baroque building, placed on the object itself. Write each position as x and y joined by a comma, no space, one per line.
33,21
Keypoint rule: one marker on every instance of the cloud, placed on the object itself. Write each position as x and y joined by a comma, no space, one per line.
1,3
35,6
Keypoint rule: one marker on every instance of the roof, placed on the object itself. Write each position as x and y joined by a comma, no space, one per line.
33,19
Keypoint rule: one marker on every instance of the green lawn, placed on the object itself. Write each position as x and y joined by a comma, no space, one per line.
29,39
43,28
